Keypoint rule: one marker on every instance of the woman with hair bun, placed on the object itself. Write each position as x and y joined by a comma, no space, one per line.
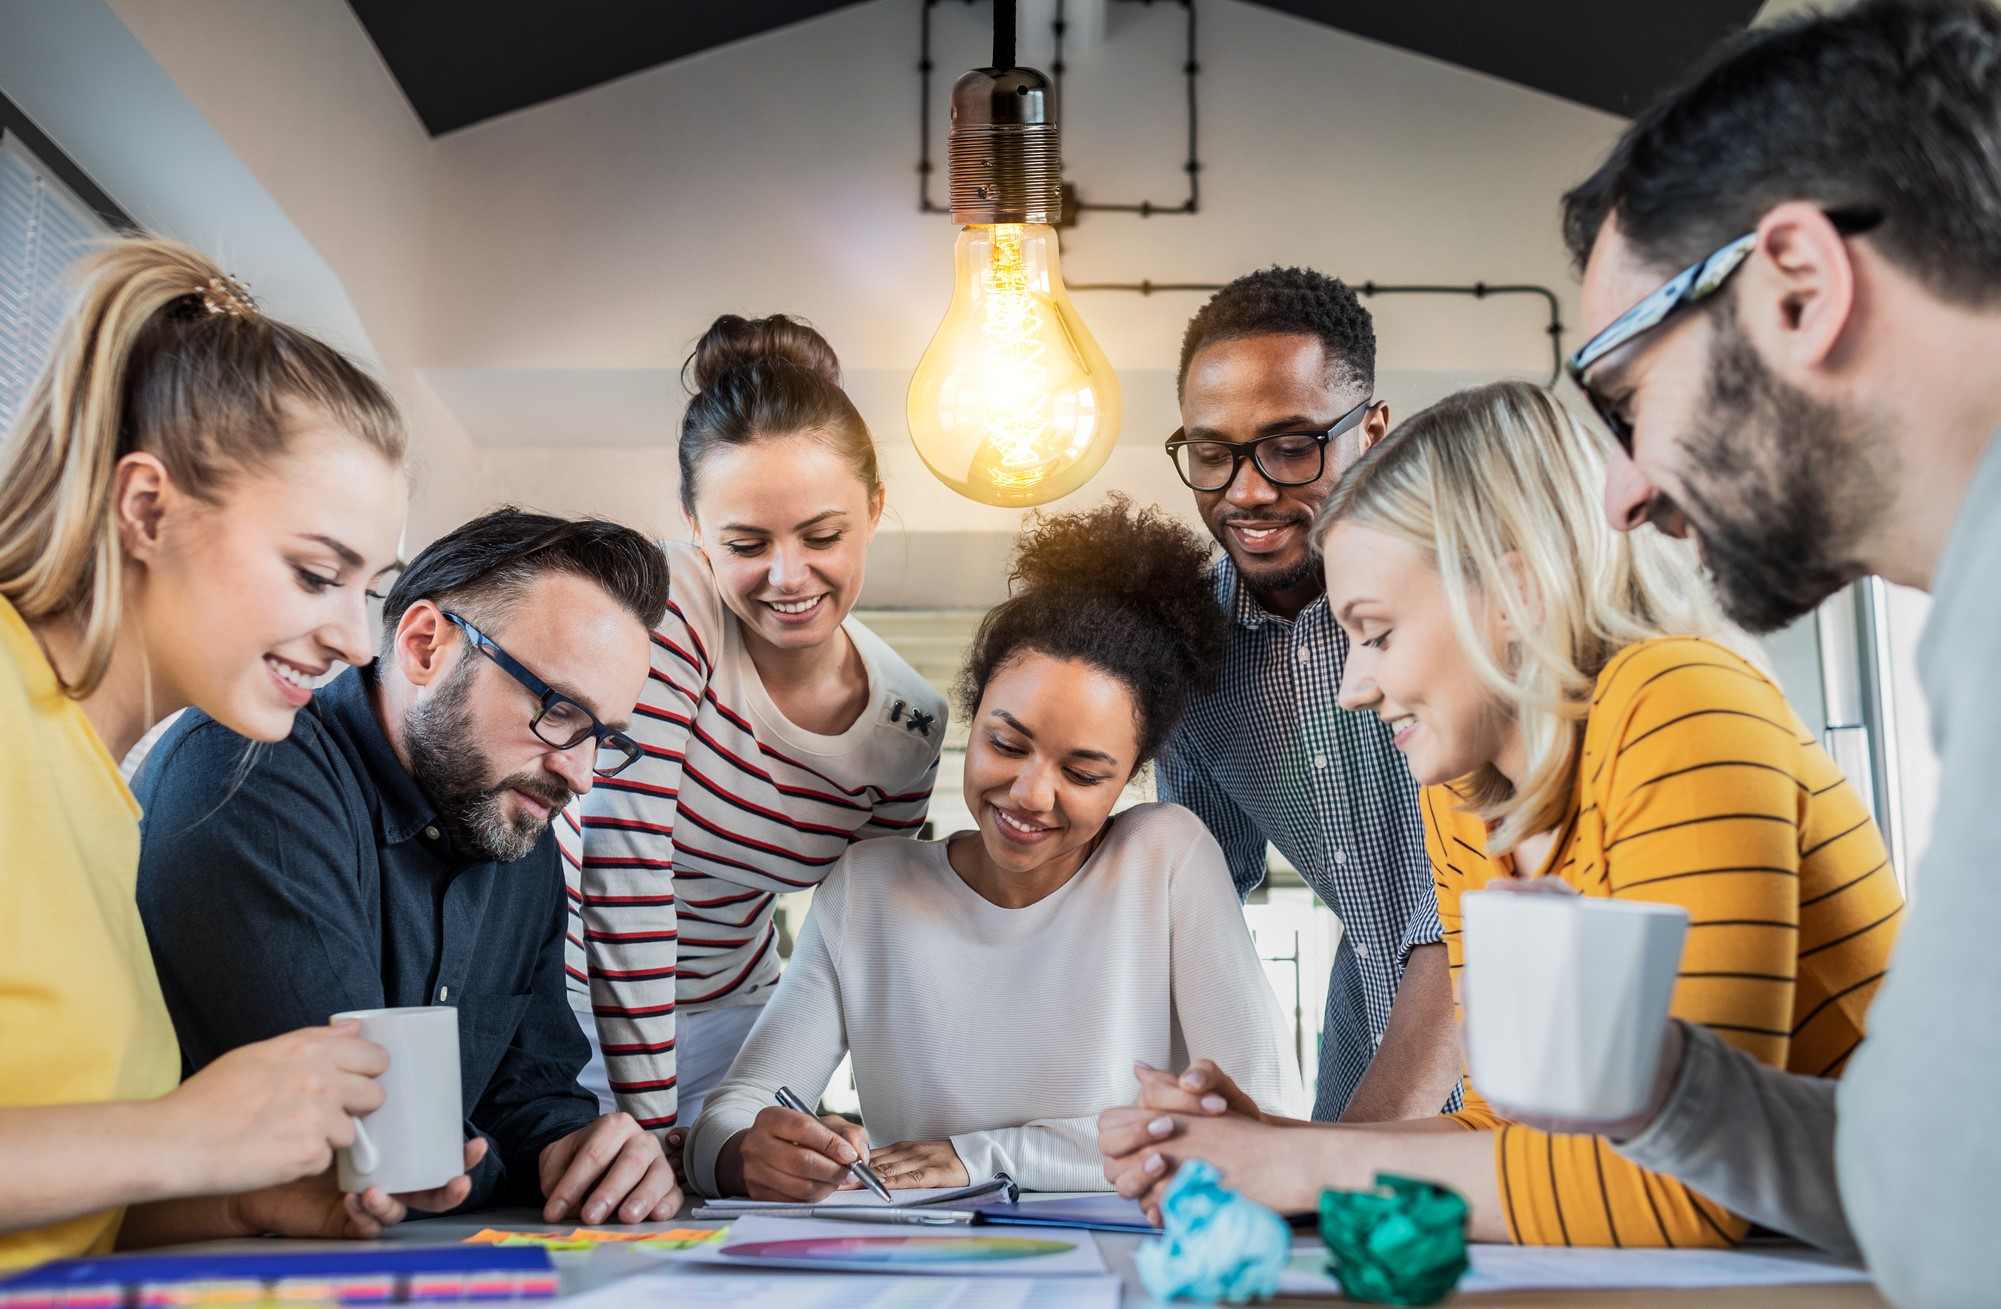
778,729
998,987
195,501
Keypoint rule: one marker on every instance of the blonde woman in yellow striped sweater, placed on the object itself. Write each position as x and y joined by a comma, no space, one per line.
1576,709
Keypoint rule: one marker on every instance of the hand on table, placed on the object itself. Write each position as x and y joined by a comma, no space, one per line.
611,1171
787,1155
316,1207
911,1164
272,1112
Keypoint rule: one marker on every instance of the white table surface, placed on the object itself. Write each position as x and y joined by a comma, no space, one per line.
609,1263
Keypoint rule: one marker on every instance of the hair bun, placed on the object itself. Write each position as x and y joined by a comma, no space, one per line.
1143,561
734,341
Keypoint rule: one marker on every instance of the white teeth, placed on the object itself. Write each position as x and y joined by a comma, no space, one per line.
290,674
1257,533
1017,824
793,606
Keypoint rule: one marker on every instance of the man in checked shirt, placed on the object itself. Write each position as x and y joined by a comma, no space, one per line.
1277,384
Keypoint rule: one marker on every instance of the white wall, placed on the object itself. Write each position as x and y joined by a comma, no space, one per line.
272,136
579,246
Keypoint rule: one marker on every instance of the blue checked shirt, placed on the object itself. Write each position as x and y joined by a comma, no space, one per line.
1270,756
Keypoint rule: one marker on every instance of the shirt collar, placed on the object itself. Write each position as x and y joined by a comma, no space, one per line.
1243,607
403,808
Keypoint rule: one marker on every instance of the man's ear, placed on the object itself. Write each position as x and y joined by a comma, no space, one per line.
1375,425
422,646
1796,295
142,494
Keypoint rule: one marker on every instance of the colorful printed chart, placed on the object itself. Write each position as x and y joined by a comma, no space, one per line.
898,1250
858,1247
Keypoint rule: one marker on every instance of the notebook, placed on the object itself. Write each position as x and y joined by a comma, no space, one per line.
372,1276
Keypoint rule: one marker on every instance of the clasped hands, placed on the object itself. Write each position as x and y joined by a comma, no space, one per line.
1200,1114
787,1155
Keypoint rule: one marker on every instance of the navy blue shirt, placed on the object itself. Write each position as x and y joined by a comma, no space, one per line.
283,884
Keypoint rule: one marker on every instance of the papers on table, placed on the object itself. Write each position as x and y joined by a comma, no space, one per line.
701,1289
760,1242
1533,1268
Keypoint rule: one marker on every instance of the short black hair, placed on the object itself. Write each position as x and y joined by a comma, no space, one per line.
1891,107
1125,591
1288,302
481,569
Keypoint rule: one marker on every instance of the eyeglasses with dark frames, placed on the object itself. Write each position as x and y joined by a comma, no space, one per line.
1284,458
559,721
1691,286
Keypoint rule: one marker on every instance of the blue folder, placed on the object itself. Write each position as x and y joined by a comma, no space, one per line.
1093,1213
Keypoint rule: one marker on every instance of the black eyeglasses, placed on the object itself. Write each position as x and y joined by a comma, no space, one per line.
560,721
1691,286
1285,458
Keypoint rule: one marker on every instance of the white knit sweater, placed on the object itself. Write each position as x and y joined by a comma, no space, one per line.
1009,1030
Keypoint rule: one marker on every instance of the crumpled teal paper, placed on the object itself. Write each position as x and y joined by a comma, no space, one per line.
1215,1244
1402,1243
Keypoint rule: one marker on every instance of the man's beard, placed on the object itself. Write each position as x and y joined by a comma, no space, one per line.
1265,581
1782,489
452,770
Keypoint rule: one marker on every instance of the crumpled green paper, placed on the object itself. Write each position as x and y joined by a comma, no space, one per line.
1402,1243
1215,1244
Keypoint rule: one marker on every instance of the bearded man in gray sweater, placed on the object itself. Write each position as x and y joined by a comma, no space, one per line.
1815,399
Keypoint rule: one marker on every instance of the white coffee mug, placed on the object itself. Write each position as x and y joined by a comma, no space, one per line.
1566,1000
416,1140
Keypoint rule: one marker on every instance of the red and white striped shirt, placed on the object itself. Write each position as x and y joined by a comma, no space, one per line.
674,865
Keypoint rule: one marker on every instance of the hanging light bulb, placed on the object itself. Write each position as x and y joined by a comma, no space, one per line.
1013,402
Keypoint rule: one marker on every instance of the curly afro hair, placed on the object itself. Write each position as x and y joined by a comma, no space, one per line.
1126,591
1289,302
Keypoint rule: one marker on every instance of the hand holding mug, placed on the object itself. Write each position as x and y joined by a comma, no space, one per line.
274,1111
316,1207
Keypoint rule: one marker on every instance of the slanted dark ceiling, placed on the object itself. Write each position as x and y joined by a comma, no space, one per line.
462,61
1615,55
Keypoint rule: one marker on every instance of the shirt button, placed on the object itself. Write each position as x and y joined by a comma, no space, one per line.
1362,951
444,993
1320,761
1302,654
430,833
1340,856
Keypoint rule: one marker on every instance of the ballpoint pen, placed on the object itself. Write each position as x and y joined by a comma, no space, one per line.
862,1172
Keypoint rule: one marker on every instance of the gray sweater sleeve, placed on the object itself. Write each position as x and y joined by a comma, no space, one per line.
1756,1139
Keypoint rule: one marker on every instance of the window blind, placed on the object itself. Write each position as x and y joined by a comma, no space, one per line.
43,229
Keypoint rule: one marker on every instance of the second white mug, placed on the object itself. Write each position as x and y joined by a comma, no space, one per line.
415,1141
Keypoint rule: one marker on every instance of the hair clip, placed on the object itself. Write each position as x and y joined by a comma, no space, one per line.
225,295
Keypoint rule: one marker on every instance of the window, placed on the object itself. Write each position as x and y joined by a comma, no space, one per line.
43,228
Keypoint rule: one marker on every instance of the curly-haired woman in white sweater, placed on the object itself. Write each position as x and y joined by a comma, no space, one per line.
996,988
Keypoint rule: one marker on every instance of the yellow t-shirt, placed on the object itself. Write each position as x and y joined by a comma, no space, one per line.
1697,786
81,1018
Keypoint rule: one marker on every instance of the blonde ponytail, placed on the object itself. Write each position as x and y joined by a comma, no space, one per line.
160,352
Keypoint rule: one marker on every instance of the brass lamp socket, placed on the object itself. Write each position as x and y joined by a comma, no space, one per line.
1006,161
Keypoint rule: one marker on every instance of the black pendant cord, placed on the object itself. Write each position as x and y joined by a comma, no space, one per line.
1004,33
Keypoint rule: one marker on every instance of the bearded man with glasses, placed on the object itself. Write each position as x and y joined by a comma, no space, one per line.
1814,397
396,850
1277,399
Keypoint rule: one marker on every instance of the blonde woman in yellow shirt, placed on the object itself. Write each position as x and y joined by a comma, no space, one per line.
1577,710
194,502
